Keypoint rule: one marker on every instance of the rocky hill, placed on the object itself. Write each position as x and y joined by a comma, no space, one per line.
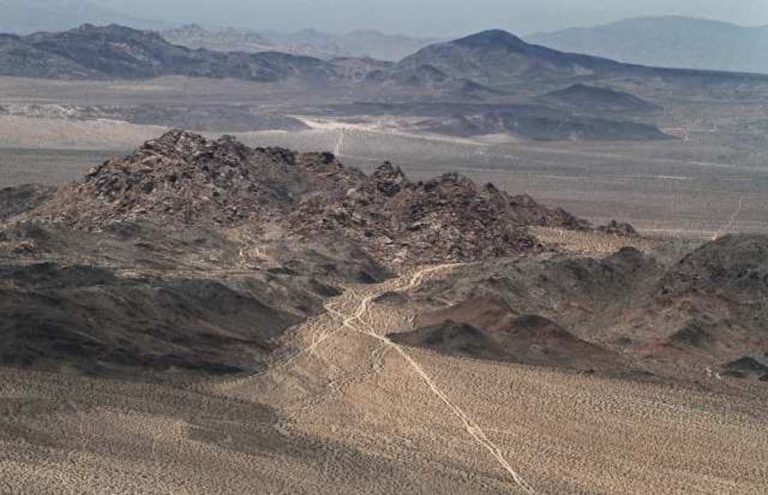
675,314
185,179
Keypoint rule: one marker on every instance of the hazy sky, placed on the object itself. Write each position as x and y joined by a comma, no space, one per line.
432,17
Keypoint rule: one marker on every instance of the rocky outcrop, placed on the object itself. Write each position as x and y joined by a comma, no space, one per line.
446,219
184,179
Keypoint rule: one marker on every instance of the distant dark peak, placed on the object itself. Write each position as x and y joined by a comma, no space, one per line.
494,38
595,97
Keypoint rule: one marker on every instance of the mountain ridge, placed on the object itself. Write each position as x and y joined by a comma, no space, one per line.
501,60
114,52
182,179
669,41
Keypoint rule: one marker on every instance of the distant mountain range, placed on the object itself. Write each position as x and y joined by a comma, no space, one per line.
502,61
117,52
28,16
360,43
480,65
669,42
486,83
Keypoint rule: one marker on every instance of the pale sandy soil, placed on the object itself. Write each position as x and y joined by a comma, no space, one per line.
26,132
344,410
590,243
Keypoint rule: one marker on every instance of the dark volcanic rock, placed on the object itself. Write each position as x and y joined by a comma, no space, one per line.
677,314
453,338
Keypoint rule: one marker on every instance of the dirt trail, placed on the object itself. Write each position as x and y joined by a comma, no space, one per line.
352,312
475,431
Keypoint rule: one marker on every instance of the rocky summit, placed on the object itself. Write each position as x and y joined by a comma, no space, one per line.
184,179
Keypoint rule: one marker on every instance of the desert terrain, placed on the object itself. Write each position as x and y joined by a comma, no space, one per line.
356,276
346,410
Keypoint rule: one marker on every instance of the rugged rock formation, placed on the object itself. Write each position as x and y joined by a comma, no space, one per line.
184,179
447,219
